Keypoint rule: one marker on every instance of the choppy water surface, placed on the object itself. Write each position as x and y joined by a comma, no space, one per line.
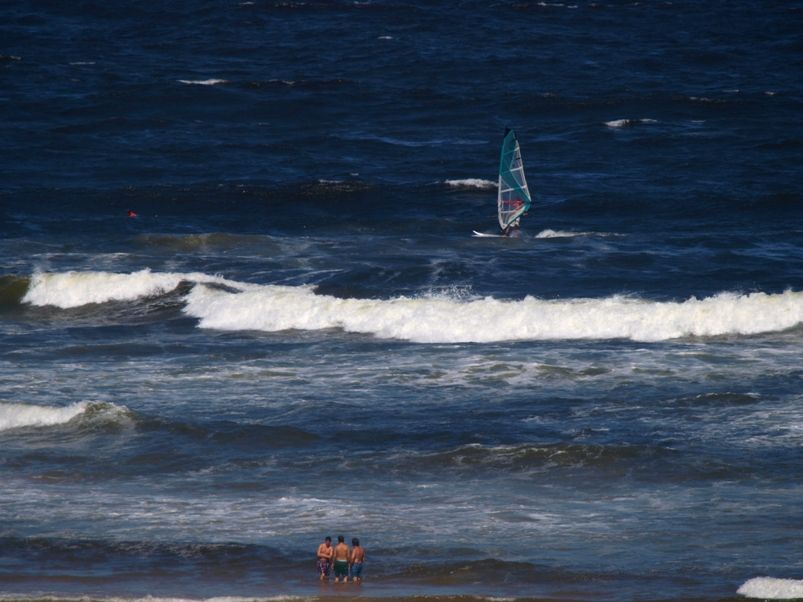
298,336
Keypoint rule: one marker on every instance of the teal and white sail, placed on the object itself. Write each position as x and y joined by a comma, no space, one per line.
514,197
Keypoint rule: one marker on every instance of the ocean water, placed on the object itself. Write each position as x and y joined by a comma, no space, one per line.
297,335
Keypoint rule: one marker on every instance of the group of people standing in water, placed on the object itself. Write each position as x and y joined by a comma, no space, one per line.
346,562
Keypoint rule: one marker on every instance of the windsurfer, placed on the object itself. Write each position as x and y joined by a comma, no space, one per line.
513,230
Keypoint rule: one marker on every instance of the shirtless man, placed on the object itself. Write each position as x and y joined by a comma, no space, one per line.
341,558
325,554
356,559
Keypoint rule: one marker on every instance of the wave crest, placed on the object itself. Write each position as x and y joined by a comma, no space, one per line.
73,289
471,183
623,123
770,588
446,320
229,305
12,290
203,82
569,234
20,415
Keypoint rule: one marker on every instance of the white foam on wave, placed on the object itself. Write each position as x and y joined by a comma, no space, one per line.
17,415
73,289
569,234
621,123
203,82
770,588
435,318
471,183
447,320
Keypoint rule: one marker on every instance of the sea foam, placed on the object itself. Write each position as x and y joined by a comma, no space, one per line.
448,320
441,318
203,82
569,234
16,415
770,588
20,415
471,183
621,123
73,289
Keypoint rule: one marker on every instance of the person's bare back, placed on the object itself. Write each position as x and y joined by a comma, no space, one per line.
356,558
341,560
357,555
341,552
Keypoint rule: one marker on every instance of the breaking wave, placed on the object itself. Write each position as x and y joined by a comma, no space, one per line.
569,234
73,289
228,305
770,588
623,123
448,320
20,415
203,82
471,183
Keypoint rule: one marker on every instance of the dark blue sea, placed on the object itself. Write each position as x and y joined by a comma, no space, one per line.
294,333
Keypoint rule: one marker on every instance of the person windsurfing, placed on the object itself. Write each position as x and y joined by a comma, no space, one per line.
513,229
513,198
513,195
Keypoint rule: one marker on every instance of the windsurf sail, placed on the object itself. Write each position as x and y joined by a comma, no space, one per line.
513,198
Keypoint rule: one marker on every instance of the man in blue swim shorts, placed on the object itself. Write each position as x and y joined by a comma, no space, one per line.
356,559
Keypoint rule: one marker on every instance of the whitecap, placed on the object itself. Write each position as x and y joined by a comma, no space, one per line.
17,415
471,183
203,82
73,289
548,233
447,317
442,319
621,123
770,588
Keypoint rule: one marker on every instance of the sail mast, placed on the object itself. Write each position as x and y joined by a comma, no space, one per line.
513,197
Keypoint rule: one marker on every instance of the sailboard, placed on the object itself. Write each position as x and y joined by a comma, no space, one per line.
513,196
